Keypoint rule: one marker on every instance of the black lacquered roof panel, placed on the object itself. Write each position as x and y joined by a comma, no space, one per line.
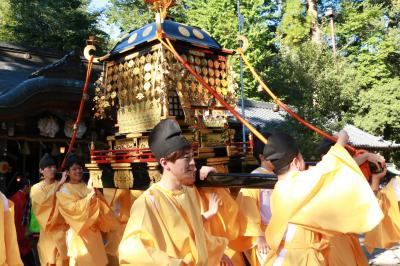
173,30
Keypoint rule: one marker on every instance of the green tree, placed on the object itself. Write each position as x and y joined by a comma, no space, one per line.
61,25
130,15
380,109
294,27
369,37
219,18
314,84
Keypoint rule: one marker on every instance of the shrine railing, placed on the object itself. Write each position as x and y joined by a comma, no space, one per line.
134,155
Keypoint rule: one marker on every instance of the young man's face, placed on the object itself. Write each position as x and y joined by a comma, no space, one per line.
75,172
49,172
184,168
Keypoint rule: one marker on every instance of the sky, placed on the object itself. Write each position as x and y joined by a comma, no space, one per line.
112,30
98,4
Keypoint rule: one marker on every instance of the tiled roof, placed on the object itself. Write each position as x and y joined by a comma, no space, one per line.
260,113
361,139
18,62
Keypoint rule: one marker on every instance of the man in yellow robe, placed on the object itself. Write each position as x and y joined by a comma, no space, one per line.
9,252
120,201
87,214
166,224
345,249
387,233
52,246
309,206
255,205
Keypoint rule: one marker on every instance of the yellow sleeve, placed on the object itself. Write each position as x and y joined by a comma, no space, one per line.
43,199
40,194
229,222
248,201
342,199
387,233
331,197
80,214
10,237
143,238
225,222
124,198
107,221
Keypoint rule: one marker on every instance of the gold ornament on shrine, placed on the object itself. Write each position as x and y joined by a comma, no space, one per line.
161,6
143,82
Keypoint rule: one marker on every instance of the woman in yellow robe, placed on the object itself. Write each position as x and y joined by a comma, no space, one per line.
309,206
9,251
87,214
52,246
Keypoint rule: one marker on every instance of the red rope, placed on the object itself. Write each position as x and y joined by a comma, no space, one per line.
286,108
79,116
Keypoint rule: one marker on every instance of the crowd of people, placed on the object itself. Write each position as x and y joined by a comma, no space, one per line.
312,216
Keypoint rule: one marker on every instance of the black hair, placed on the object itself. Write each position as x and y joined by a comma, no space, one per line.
323,147
282,170
71,160
258,146
172,157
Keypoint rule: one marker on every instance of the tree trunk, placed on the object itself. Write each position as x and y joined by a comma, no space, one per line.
312,13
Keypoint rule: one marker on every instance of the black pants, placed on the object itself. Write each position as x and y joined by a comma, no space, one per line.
33,258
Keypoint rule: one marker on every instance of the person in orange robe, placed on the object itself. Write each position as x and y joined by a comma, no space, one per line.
254,203
9,252
345,249
309,206
87,214
52,246
387,233
166,226
120,201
